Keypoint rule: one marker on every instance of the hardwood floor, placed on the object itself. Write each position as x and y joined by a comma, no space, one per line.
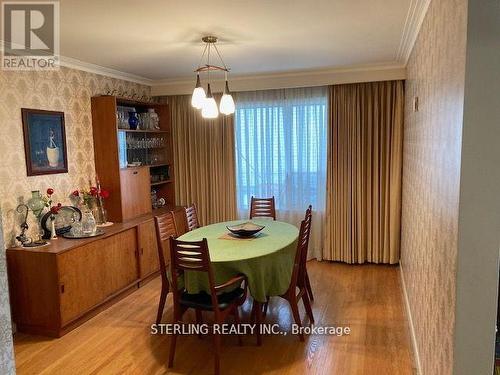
118,341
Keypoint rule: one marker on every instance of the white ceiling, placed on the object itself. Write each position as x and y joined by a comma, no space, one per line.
160,39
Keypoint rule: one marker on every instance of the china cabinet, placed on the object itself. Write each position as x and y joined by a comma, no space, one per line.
133,159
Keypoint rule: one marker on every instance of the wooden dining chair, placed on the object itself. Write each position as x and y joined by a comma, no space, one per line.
308,283
165,229
195,257
262,207
298,281
191,218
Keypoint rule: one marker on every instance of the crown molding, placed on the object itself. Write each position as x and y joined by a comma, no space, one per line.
299,78
413,22
69,62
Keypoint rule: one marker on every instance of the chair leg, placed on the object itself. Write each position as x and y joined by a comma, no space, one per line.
236,314
266,306
307,305
308,287
173,340
161,305
199,320
217,340
295,312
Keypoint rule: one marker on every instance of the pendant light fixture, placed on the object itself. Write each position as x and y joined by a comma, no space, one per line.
227,102
206,102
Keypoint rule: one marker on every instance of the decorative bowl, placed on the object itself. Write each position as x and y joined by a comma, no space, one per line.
247,229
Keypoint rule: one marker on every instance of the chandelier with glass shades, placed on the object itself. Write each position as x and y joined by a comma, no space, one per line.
205,101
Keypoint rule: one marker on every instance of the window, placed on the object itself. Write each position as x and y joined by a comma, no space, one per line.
281,138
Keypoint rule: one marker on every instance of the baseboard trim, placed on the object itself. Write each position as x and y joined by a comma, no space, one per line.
416,356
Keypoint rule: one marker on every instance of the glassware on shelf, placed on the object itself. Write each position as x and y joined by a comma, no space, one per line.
133,120
145,121
154,198
122,119
154,119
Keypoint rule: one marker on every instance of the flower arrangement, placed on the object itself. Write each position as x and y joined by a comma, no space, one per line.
93,200
47,199
89,196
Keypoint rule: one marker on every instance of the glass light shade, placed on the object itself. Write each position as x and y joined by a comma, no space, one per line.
227,104
198,98
209,109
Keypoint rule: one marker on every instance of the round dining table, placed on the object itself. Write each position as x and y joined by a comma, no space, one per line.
266,259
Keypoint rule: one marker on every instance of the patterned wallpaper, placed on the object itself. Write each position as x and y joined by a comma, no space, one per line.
66,90
431,178
6,350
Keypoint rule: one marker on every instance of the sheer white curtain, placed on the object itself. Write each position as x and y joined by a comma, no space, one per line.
281,138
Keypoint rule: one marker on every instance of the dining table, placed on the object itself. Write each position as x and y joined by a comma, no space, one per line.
266,258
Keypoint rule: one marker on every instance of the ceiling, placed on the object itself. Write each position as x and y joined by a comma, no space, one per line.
160,39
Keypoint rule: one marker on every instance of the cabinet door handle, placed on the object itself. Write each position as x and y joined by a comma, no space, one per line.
62,288
135,172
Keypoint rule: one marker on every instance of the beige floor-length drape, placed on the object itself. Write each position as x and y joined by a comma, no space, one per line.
204,161
364,172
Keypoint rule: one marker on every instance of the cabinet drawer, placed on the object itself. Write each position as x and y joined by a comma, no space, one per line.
135,192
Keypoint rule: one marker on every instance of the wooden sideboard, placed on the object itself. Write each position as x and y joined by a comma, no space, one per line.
57,287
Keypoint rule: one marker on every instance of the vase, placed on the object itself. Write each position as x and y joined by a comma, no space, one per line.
36,204
53,156
98,211
53,233
133,120
89,225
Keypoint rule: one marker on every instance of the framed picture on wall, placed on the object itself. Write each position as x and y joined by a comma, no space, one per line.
44,142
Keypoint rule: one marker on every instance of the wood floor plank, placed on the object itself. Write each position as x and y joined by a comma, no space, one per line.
366,298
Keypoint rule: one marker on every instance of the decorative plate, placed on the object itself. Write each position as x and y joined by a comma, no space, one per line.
247,229
64,219
70,235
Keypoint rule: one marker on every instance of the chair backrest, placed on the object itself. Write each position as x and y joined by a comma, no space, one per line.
192,256
191,218
165,229
299,268
262,207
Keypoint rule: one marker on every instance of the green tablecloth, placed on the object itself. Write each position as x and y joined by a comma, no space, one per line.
266,260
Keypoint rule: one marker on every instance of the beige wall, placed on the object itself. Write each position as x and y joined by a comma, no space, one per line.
66,90
431,180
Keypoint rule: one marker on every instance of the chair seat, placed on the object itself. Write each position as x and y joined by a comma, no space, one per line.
203,300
